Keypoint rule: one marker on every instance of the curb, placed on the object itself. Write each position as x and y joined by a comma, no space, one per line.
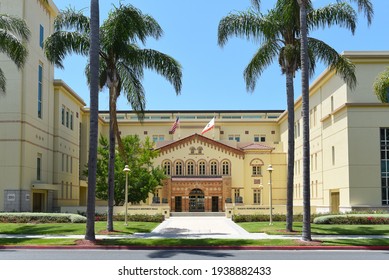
119,247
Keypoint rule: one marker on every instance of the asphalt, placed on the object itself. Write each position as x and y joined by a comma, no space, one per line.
208,227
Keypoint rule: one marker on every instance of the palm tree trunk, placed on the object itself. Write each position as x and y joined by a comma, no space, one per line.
111,161
306,234
94,111
291,147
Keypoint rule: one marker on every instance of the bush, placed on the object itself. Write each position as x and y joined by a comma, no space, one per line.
41,218
354,219
159,218
265,218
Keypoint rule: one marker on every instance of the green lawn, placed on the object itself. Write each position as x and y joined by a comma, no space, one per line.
70,229
279,228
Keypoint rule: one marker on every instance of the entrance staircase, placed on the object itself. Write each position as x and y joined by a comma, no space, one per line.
197,214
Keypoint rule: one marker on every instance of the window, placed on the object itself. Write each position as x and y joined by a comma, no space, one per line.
333,155
190,168
40,89
39,167
259,138
202,168
332,103
236,194
225,168
384,135
67,118
179,168
235,137
158,138
63,115
67,163
71,120
167,168
257,170
63,162
257,196
214,168
41,36
71,165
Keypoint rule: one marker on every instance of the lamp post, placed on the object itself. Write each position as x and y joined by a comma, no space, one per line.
126,170
270,169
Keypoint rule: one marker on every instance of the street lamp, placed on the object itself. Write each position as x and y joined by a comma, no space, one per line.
270,169
126,170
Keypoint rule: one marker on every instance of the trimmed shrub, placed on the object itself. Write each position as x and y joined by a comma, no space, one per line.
41,218
265,218
354,219
159,218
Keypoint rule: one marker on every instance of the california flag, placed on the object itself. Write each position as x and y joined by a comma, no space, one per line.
209,126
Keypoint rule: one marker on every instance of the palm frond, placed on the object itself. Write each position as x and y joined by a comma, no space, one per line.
15,26
102,74
256,4
329,56
367,7
262,59
340,14
13,48
133,88
61,43
128,24
72,20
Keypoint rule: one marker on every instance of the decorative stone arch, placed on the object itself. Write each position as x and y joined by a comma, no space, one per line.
225,167
201,167
178,167
190,167
167,167
213,167
256,166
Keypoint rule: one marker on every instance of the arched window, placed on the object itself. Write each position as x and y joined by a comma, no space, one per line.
213,166
200,150
190,168
256,167
225,168
167,168
202,168
179,168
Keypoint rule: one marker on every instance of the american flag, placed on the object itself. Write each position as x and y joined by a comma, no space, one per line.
174,126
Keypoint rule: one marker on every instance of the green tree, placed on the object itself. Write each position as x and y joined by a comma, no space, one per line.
122,63
14,33
304,5
278,34
143,177
94,118
381,86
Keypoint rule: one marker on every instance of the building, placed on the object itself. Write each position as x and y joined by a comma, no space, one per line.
44,135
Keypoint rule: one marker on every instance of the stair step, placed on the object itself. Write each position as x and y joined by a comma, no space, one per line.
197,214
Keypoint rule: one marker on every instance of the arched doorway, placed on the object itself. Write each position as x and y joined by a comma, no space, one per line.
196,201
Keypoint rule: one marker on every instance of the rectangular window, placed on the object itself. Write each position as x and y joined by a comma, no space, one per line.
41,36
235,137
257,197
158,138
71,120
67,163
333,155
384,136
67,118
39,167
63,162
257,171
71,165
40,89
63,115
256,138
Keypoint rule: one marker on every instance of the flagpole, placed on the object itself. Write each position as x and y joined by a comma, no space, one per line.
179,127
213,130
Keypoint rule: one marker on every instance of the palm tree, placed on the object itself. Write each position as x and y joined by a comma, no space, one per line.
363,5
278,32
14,32
94,115
122,63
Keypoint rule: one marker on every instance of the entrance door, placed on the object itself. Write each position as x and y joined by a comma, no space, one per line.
196,201
38,202
335,202
215,204
178,204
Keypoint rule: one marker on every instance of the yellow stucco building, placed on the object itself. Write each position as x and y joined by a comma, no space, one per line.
44,133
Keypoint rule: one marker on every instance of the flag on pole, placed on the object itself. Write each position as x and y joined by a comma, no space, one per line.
174,126
209,126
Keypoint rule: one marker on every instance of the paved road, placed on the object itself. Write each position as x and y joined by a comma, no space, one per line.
190,255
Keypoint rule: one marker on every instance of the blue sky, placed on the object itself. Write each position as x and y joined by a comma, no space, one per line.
213,76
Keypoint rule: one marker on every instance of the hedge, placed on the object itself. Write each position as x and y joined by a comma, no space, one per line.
354,219
41,218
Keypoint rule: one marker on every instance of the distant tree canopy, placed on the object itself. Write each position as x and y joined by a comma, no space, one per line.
381,86
143,178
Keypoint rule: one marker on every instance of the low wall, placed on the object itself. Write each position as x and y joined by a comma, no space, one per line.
237,209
